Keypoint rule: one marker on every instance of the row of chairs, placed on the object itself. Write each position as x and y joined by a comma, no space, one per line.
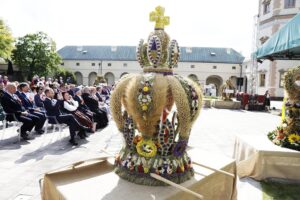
16,124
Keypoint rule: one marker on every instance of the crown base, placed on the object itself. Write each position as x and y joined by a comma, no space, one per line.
146,179
135,168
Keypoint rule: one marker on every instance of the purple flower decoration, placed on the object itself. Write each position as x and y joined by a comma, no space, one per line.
179,148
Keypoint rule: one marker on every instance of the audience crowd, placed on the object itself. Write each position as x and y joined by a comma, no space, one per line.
83,109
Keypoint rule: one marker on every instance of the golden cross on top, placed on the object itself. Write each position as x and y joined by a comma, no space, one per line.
158,17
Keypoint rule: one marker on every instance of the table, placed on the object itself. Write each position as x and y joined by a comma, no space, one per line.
259,158
96,180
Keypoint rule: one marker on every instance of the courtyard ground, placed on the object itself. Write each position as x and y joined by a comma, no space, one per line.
23,164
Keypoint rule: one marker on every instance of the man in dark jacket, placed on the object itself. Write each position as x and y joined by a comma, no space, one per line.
52,107
93,104
28,105
12,106
82,107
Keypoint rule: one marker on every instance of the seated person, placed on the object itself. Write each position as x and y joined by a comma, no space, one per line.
12,105
39,98
28,105
93,104
2,115
52,107
71,106
96,93
71,90
81,105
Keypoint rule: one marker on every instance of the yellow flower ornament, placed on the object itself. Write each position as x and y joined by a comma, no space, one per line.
146,148
144,107
293,138
146,89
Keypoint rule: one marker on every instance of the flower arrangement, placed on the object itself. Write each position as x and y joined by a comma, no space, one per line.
288,133
282,137
145,94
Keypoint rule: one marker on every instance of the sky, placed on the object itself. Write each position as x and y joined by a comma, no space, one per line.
193,23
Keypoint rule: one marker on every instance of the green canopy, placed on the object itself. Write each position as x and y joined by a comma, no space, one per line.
284,44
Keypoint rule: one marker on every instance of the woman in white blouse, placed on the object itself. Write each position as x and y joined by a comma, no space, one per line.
71,106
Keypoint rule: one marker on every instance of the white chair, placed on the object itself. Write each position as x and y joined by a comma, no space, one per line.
55,125
16,124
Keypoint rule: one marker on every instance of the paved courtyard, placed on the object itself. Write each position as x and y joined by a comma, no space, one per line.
23,164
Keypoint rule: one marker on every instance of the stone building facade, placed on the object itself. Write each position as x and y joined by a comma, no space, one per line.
273,14
205,65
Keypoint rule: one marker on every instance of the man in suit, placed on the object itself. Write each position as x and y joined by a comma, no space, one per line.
12,106
100,115
52,107
82,107
28,105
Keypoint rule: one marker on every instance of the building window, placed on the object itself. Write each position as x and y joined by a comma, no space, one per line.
289,3
77,64
93,64
263,39
262,80
214,67
281,79
246,67
62,64
234,67
109,64
192,66
266,7
124,64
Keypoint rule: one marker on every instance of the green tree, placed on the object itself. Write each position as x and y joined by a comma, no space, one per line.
36,54
6,41
61,72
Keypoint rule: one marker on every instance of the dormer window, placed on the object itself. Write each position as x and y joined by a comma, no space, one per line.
188,50
228,51
113,49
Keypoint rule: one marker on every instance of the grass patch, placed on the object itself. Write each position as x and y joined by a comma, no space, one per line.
280,191
210,97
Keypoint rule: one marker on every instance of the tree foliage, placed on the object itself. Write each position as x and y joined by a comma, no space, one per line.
6,41
61,72
36,54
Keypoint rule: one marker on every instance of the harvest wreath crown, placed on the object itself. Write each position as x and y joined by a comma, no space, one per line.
155,112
